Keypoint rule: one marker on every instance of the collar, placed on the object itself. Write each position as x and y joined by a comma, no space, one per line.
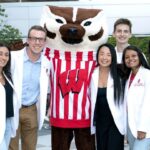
26,57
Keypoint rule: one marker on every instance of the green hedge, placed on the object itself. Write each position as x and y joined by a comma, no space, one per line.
141,42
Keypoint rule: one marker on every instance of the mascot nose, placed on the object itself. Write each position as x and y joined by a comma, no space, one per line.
72,31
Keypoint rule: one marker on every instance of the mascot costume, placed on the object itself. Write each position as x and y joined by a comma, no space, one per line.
73,37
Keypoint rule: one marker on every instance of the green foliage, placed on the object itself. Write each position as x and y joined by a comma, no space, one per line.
140,42
8,34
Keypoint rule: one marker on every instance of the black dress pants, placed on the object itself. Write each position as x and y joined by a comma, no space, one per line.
109,138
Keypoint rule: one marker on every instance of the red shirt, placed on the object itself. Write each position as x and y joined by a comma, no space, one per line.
131,79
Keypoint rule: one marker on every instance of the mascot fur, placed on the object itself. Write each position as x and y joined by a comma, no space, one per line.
73,37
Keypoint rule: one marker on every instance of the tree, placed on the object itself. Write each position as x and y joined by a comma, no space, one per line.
9,35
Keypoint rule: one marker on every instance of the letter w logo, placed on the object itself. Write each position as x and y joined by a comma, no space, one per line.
72,80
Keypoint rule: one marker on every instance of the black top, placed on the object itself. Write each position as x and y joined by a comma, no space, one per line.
9,100
102,111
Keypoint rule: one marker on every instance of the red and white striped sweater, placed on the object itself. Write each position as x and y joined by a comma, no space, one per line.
70,74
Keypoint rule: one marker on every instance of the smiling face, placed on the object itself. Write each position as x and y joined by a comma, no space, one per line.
4,56
132,60
122,34
36,41
104,57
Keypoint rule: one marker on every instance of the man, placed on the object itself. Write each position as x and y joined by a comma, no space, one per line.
30,78
122,34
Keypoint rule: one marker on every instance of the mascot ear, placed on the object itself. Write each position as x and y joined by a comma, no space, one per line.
44,15
74,29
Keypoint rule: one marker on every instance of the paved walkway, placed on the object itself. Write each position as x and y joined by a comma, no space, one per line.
44,140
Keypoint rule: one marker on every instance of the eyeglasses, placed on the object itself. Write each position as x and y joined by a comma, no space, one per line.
35,39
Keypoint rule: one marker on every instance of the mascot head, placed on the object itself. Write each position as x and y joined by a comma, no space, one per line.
74,29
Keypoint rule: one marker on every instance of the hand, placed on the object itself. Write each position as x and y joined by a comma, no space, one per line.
141,135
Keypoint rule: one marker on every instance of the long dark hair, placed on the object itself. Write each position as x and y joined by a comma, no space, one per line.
118,89
142,58
6,69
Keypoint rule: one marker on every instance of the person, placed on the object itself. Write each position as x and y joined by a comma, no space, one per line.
7,105
122,32
137,98
30,74
109,116
70,104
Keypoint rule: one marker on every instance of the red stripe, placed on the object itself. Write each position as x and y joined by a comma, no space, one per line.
79,56
58,69
51,94
90,55
51,83
68,56
56,54
66,98
90,75
52,73
69,123
85,93
75,103
47,52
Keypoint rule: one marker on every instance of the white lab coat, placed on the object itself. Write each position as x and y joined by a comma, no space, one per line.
17,58
138,102
118,111
3,109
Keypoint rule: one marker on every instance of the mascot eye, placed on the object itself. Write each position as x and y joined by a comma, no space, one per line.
87,23
59,21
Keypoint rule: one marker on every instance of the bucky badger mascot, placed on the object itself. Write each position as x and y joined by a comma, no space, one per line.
73,37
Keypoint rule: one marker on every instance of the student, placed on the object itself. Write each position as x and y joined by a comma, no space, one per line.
6,99
137,97
122,33
30,76
109,115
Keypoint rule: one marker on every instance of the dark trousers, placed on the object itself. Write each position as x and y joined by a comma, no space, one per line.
62,137
109,138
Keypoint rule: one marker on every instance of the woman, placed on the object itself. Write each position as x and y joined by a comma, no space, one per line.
109,115
6,98
137,97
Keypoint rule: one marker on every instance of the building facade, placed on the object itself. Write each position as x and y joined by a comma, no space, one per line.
23,14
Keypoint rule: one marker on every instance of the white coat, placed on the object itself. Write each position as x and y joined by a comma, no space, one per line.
17,58
3,109
118,111
137,97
